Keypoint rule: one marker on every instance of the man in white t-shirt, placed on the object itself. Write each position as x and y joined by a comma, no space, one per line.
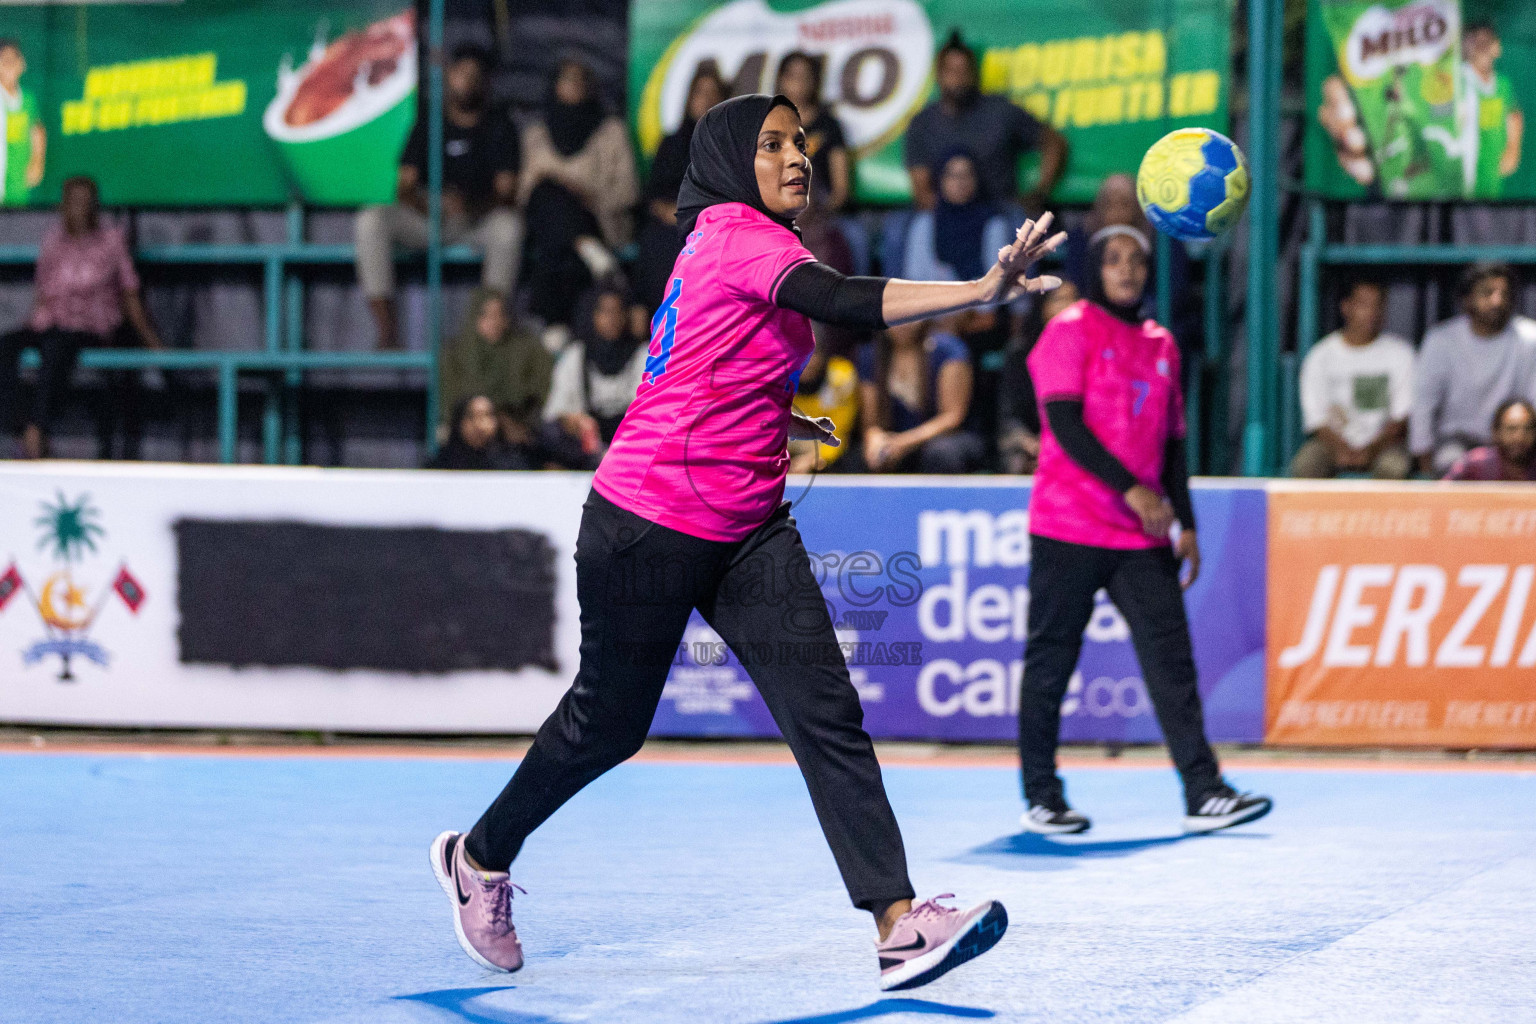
1356,394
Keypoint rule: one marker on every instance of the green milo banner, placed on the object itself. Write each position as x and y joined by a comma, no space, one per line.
207,102
1420,99
1113,77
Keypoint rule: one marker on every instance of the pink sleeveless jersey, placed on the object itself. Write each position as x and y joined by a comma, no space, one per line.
702,448
1128,379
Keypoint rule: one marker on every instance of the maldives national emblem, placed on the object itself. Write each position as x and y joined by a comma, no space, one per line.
70,531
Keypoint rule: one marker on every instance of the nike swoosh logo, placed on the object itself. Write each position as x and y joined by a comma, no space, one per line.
919,944
463,898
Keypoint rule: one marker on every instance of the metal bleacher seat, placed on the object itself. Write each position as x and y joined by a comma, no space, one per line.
283,351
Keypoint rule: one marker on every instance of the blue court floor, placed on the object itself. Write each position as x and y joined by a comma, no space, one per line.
172,889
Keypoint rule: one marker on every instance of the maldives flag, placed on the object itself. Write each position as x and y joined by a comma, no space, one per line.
10,583
128,589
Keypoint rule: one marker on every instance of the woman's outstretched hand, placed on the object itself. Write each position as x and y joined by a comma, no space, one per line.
803,428
1006,280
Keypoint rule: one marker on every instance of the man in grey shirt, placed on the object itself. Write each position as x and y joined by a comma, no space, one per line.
1468,366
992,130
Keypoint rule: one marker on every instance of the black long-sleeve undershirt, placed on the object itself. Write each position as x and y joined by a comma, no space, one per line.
1065,416
1176,481
823,294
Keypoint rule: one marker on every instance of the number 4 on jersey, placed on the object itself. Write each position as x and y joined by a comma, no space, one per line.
663,334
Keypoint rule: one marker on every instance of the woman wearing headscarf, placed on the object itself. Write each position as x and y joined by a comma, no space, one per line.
686,512
659,239
960,236
492,356
595,379
578,186
1111,482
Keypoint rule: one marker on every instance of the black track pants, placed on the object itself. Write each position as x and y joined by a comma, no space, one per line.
637,583
1145,587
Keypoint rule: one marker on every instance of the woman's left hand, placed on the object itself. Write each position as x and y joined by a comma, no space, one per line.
803,428
1188,550
1006,280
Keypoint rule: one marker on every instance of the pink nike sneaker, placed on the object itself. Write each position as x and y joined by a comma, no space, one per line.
931,940
482,906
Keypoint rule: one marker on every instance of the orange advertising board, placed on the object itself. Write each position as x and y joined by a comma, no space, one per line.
1402,615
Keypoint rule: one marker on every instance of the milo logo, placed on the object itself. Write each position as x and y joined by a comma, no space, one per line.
877,53
1418,33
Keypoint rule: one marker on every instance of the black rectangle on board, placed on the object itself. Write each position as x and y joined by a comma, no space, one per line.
398,599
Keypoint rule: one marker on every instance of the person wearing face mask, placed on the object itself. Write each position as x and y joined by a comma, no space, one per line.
1111,482
687,513
1467,367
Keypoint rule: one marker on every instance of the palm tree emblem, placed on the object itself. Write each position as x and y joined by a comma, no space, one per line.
69,530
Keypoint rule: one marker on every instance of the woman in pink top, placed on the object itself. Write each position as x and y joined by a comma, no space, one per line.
687,512
86,286
1112,480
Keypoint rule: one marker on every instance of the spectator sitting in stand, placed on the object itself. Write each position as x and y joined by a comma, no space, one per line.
995,131
494,358
659,240
799,78
1356,394
958,238
828,386
1512,456
1018,414
915,395
578,186
595,379
480,158
85,288
474,440
1468,366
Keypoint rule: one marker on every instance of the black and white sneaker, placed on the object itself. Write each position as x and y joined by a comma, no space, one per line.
1053,820
1224,807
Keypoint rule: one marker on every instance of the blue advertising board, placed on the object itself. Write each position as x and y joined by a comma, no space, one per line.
928,585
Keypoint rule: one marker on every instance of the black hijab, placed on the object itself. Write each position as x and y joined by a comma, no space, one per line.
958,228
608,356
1131,314
721,159
572,124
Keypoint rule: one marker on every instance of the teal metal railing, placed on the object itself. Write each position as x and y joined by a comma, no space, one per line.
1316,253
282,270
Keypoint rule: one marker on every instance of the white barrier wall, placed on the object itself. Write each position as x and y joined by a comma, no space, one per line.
70,530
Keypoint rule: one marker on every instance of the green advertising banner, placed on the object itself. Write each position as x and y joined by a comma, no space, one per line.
207,102
1420,99
1114,77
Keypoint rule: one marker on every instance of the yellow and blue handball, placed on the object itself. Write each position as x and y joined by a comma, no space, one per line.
1193,184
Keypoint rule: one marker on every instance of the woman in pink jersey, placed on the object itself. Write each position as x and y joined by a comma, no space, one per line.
687,512
1112,480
